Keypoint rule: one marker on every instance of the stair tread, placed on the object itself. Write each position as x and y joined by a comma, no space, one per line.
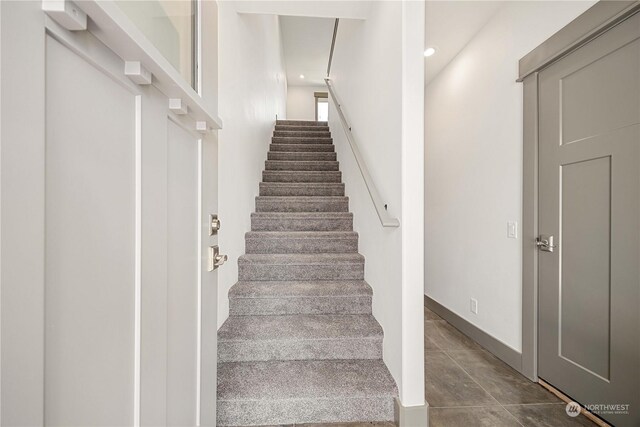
332,235
301,148
304,379
302,184
303,132
301,123
304,162
302,215
302,127
302,139
299,289
299,327
301,259
277,172
316,199
302,155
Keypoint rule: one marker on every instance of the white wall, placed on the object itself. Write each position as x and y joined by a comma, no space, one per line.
301,104
252,91
376,118
473,168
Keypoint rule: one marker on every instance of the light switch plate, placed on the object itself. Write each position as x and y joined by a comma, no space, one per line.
512,229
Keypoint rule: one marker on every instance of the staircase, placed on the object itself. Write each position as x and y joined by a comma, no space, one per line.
300,344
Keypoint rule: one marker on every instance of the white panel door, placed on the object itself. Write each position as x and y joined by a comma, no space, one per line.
90,275
107,308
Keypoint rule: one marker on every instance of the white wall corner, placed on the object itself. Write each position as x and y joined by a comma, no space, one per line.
412,386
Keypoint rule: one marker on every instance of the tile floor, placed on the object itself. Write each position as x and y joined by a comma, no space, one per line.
468,386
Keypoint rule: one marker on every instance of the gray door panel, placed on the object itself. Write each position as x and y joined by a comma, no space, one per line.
589,200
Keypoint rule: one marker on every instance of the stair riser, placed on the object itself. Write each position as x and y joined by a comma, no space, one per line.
300,411
303,128
274,189
351,271
302,148
278,205
300,246
283,176
301,156
300,123
300,166
322,224
300,140
299,305
302,133
325,349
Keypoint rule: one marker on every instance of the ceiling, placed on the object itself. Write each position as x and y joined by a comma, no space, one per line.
306,43
449,26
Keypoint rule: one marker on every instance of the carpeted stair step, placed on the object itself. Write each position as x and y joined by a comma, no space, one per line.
300,123
301,156
301,140
302,297
302,133
301,242
315,128
348,266
302,204
302,221
299,337
301,189
304,391
302,176
288,165
291,148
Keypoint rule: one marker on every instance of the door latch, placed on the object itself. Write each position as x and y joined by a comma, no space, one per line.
545,243
214,224
215,260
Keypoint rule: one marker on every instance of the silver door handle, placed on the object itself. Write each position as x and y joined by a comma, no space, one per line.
219,260
545,243
215,260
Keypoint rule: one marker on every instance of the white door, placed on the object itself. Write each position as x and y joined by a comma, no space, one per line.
107,310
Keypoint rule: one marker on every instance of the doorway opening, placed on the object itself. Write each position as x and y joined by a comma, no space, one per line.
322,106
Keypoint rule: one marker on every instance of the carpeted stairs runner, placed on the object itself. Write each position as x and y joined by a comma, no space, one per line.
300,344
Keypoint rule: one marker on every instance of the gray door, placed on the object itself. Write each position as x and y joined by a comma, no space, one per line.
589,200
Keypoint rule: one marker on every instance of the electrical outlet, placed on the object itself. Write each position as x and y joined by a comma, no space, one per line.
474,306
512,229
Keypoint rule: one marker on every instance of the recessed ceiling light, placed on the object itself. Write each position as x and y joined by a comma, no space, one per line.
429,51
302,76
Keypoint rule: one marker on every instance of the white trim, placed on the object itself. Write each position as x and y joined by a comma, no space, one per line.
138,262
199,303
412,214
113,28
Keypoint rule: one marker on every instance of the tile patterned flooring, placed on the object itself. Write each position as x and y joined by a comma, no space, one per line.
466,386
